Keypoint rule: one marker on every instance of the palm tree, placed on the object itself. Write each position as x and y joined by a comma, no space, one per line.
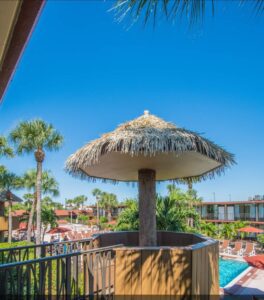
193,10
47,201
97,194
168,216
76,202
107,202
5,149
8,182
36,136
48,218
49,187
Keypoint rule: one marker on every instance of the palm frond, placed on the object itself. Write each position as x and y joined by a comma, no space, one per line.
192,10
31,135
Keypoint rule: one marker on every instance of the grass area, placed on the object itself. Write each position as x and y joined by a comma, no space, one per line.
15,244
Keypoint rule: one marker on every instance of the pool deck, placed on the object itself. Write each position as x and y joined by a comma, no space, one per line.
250,284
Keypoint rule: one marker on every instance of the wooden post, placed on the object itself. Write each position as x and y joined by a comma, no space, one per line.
147,208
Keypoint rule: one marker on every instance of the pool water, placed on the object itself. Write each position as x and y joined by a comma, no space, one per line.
229,269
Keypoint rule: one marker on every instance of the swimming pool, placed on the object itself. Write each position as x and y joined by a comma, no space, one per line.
229,269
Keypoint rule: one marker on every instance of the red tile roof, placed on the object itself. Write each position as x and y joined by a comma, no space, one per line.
61,213
19,213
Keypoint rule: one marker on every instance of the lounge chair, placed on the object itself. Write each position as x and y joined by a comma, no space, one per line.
249,250
238,249
224,247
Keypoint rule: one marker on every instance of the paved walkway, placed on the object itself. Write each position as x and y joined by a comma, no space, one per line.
251,284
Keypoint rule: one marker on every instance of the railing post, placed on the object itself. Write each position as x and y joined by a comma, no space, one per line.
68,278
42,251
41,278
85,275
90,274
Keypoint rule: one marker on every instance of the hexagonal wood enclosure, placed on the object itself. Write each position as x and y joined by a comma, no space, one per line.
181,264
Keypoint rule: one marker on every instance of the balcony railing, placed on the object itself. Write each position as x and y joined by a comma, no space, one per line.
116,266
68,276
230,217
23,253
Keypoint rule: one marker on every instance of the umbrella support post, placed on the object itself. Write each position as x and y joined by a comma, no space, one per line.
147,208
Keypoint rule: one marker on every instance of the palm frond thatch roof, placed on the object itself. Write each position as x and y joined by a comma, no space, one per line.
14,197
146,141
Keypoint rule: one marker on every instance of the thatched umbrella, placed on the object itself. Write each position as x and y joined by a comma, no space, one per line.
146,150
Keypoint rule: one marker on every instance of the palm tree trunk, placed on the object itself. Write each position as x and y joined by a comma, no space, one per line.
147,208
109,215
38,206
10,221
30,218
97,211
190,187
39,156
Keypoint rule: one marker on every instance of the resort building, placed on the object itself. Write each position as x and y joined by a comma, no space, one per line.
65,214
230,211
115,211
3,220
16,216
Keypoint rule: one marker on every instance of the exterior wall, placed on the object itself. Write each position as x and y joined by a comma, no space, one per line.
188,269
102,213
252,211
3,223
3,220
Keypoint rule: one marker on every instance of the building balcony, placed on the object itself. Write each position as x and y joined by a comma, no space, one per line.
231,217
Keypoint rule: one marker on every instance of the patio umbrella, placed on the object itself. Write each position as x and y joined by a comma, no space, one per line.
58,230
251,230
146,150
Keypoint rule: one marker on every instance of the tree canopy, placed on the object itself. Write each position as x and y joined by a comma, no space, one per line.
76,202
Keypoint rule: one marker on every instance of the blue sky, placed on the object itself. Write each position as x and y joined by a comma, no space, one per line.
86,73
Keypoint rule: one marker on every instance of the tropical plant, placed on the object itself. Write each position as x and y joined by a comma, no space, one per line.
172,212
83,219
227,231
47,201
209,229
193,10
170,217
5,149
8,182
48,218
36,137
108,201
129,217
76,202
18,206
49,187
97,194
184,202
260,239
103,219
230,230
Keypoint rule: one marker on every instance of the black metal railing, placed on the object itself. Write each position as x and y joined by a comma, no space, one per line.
66,276
22,253
229,217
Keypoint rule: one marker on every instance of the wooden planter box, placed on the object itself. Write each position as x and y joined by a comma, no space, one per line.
181,264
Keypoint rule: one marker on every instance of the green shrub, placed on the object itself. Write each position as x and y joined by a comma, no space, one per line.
260,238
103,220
15,244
